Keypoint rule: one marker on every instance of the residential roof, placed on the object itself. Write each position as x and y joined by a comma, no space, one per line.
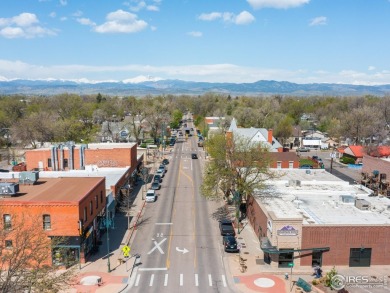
354,150
284,156
54,190
381,151
318,198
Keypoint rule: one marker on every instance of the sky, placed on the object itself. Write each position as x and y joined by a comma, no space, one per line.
239,41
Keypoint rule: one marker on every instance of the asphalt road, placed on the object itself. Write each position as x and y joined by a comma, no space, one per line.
178,238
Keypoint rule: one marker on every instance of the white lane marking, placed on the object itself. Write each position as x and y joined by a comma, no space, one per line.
166,280
210,281
152,269
137,281
181,279
157,246
224,280
151,280
191,165
163,223
196,280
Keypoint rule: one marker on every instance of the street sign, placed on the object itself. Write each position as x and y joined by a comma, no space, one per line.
291,265
126,251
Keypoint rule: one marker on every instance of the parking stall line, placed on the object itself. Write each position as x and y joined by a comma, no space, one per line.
210,281
151,280
181,279
224,280
137,281
196,280
166,280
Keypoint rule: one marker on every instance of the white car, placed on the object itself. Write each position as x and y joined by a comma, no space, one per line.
150,196
160,172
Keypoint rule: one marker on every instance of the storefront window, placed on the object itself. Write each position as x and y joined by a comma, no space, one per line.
285,258
65,256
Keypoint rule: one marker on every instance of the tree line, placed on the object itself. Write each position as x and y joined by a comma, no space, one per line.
68,117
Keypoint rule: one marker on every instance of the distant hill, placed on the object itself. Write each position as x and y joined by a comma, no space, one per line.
178,87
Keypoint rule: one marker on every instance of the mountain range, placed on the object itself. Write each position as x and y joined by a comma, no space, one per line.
180,87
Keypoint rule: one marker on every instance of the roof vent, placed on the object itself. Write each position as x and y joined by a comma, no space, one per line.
347,198
28,177
362,204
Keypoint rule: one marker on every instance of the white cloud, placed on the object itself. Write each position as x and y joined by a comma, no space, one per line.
117,22
279,4
153,28
210,16
195,34
372,67
86,21
141,78
244,18
205,72
321,20
137,5
24,25
241,19
53,14
63,2
78,13
63,18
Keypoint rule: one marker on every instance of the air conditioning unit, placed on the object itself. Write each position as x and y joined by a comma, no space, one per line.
8,188
362,204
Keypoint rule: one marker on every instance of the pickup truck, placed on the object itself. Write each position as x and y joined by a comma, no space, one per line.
226,228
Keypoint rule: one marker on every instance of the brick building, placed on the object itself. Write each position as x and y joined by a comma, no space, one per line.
285,160
310,217
67,207
376,174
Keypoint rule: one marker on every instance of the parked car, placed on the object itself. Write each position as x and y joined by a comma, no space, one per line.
305,167
194,156
165,161
230,244
156,185
226,228
163,168
157,178
160,172
151,196
303,149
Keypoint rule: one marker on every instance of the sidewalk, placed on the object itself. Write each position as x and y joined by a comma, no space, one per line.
114,273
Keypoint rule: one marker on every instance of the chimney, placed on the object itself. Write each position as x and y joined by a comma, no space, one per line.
270,136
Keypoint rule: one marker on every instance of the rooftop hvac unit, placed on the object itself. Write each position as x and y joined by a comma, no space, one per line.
362,204
293,182
8,188
28,177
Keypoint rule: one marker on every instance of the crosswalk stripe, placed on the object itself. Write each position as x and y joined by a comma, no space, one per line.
196,280
166,280
181,279
137,280
151,280
224,280
210,281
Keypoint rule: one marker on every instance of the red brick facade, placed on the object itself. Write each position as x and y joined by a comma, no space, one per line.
101,157
374,163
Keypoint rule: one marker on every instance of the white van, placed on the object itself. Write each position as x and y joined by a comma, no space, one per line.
150,195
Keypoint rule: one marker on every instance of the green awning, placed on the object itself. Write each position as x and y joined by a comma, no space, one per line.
266,246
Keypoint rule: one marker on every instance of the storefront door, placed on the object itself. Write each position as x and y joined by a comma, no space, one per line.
316,259
285,258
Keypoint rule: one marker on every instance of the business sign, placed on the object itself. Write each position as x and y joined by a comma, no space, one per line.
287,231
269,225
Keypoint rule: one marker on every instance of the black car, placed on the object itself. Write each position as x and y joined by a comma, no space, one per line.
165,162
226,228
230,244
194,156
157,178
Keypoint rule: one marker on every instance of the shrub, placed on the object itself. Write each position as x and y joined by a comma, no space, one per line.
347,160
329,276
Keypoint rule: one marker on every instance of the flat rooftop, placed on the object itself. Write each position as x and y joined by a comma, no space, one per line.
53,190
93,146
318,197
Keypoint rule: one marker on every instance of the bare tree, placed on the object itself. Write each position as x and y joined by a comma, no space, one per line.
25,251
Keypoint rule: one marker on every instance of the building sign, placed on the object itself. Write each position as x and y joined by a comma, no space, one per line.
287,231
269,225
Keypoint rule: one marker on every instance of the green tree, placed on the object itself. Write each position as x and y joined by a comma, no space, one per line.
238,168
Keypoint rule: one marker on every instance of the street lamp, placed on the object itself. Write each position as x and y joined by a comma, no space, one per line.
108,244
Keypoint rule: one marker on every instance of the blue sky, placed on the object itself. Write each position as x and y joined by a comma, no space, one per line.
302,41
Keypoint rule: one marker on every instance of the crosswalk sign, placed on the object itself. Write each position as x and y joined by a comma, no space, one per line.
126,251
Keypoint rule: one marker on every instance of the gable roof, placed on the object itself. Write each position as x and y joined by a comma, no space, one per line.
355,151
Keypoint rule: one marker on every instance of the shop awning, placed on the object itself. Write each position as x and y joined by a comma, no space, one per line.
266,246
